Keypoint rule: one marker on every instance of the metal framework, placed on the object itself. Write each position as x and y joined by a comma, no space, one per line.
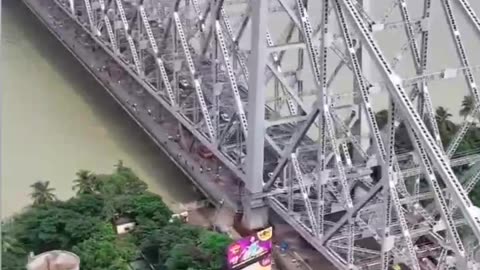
258,83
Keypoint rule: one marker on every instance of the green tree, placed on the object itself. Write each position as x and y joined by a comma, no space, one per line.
105,254
151,206
90,205
14,256
146,206
187,257
103,250
50,227
208,253
10,244
85,183
214,245
157,244
443,119
445,125
468,104
117,187
12,261
42,193
123,181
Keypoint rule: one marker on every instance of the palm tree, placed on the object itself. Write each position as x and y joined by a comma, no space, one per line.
445,126
442,114
86,182
468,104
42,193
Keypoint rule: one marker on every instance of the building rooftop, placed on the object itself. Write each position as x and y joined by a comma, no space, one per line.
54,260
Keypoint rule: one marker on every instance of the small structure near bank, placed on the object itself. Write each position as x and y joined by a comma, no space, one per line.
54,260
123,225
183,217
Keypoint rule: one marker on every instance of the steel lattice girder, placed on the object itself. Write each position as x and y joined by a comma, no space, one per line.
191,56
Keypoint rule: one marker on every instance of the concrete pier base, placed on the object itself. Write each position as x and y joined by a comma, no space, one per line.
255,219
255,214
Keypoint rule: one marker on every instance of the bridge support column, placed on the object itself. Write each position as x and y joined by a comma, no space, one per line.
255,212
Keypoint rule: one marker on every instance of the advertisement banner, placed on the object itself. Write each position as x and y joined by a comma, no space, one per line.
264,263
246,250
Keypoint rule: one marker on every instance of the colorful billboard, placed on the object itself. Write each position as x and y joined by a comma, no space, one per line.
247,250
264,263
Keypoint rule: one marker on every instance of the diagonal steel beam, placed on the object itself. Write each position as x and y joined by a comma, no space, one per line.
350,213
296,138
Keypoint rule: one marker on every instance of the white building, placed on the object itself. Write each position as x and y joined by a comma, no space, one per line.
54,260
123,225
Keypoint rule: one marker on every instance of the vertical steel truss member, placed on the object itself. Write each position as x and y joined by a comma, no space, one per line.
420,57
91,21
126,28
158,59
108,25
322,140
414,210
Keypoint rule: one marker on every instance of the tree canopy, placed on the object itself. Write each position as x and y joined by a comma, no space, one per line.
86,182
82,224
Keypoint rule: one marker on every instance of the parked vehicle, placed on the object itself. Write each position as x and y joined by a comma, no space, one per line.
204,152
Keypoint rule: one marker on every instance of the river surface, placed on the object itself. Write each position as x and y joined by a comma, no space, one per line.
56,120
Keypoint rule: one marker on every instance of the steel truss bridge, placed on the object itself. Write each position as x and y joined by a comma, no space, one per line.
259,84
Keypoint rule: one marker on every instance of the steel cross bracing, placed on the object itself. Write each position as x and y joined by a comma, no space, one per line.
361,208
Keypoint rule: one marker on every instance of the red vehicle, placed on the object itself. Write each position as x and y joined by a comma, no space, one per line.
204,152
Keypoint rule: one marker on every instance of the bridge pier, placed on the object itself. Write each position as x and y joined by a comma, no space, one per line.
255,214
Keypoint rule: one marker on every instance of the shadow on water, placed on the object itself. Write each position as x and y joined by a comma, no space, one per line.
123,131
